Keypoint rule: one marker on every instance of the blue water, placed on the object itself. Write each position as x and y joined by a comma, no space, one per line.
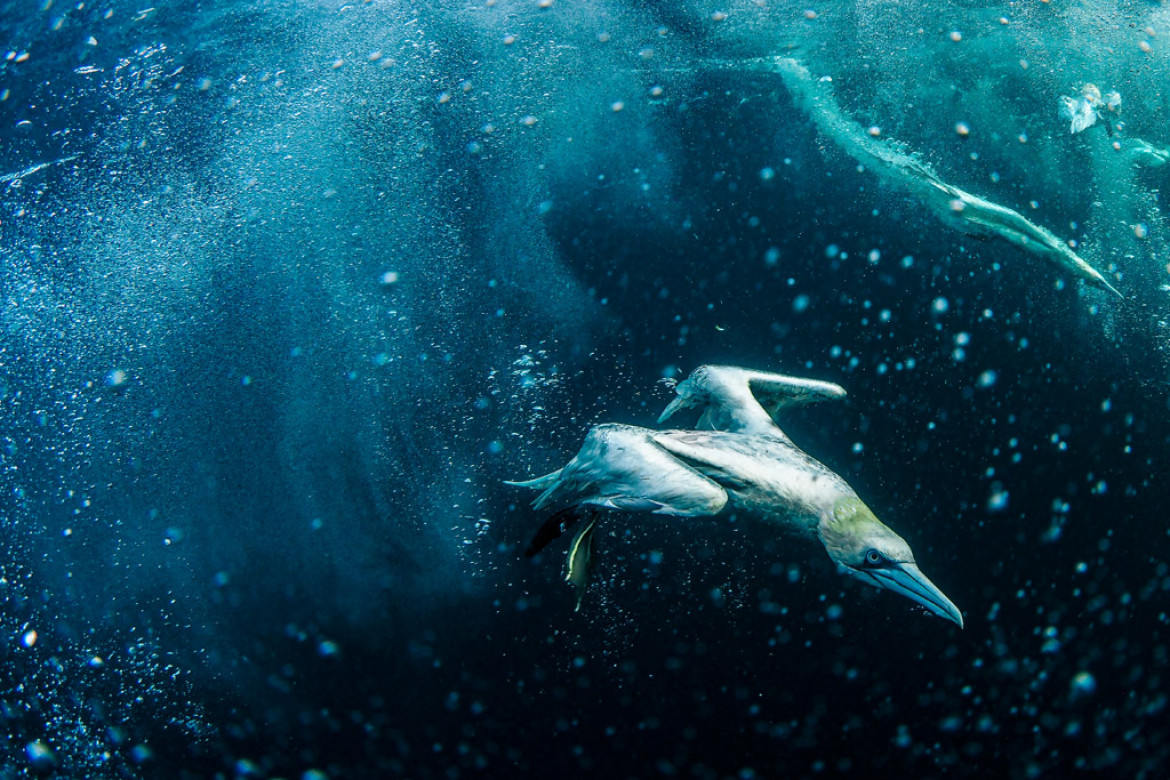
289,289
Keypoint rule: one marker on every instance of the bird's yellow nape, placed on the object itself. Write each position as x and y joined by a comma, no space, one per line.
851,530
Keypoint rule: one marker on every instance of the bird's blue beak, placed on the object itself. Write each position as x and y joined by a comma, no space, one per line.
908,580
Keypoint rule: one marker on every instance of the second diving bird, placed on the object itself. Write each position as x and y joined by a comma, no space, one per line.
738,459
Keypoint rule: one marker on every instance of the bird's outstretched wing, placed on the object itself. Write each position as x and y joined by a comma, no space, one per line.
739,400
622,467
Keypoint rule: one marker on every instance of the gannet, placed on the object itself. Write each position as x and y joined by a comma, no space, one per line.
738,459
955,207
1145,154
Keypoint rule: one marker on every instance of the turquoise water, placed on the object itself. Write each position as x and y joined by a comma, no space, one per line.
290,289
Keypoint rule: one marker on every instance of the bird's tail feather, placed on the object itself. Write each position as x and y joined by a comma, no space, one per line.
549,484
540,483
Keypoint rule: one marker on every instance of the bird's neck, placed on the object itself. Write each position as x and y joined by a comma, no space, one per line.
842,520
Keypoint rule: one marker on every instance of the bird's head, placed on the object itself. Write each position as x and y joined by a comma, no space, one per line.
864,547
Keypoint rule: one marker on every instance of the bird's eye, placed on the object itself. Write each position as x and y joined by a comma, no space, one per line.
873,558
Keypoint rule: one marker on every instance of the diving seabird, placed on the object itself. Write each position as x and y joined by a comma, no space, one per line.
737,459
959,209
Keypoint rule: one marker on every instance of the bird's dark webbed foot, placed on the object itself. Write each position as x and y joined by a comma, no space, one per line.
555,526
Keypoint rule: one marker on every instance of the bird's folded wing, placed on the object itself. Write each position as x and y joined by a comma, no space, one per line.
742,401
622,467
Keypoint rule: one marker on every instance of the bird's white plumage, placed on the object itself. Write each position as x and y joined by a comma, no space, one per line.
624,467
740,458
741,455
764,474
738,400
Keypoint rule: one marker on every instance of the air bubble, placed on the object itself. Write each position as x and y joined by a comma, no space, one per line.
40,756
1083,684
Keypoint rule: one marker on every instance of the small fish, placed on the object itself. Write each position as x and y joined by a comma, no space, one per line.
581,560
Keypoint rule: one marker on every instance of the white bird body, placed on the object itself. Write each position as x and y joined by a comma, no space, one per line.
766,476
741,462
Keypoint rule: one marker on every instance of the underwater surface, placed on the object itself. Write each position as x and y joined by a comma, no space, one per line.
290,289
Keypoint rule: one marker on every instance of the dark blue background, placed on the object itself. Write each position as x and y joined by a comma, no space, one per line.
284,532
